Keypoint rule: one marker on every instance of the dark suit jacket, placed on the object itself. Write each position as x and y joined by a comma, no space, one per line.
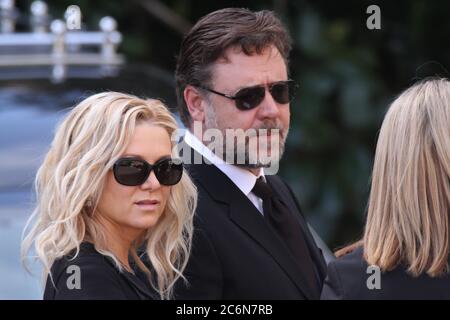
347,279
100,279
235,254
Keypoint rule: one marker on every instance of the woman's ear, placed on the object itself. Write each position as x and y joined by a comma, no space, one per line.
195,103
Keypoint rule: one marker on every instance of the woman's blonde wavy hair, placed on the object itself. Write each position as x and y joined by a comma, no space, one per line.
70,181
409,204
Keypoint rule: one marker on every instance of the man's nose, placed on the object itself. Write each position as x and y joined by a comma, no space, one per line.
151,183
269,108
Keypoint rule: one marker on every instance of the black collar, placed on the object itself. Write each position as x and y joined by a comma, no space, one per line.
140,286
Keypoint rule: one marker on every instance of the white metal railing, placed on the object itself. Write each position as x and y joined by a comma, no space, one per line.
57,44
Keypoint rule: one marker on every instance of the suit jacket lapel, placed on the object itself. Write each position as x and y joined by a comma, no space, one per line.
243,213
316,255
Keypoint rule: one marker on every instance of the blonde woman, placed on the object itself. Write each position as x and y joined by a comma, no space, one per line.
406,239
108,187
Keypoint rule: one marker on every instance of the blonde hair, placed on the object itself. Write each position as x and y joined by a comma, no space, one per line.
70,181
409,202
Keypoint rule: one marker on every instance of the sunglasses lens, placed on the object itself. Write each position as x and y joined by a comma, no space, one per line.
130,172
283,92
249,98
168,171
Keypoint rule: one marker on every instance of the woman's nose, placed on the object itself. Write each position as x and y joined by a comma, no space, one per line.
151,182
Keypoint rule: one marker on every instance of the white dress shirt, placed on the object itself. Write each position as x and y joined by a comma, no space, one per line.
242,178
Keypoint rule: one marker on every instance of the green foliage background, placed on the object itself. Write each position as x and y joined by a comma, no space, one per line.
347,73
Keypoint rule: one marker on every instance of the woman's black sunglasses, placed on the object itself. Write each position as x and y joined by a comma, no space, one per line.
248,98
135,171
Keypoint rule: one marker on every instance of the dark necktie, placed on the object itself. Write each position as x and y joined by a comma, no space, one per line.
288,228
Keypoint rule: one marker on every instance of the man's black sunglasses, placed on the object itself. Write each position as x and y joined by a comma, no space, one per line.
248,98
133,171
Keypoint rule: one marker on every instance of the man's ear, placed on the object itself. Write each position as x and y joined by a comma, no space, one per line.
195,103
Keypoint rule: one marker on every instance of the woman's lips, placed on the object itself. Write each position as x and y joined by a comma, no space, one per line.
148,205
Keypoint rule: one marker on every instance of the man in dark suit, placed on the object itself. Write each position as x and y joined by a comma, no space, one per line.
251,240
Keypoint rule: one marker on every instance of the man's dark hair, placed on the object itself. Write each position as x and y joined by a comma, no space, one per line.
213,34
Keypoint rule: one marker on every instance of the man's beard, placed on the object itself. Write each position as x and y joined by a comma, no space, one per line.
260,147
263,151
